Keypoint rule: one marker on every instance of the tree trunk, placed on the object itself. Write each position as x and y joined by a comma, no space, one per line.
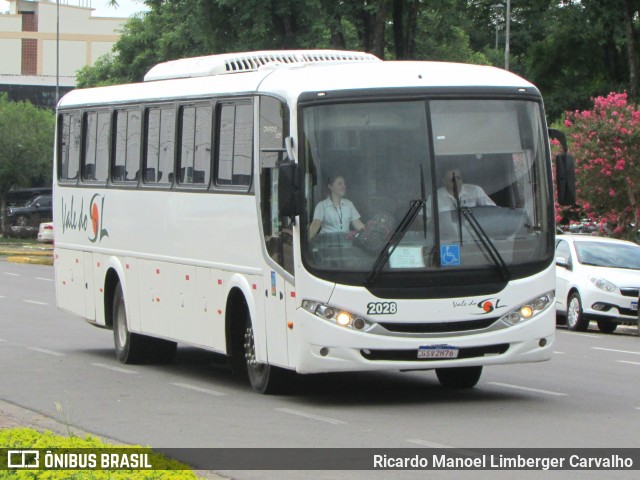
632,50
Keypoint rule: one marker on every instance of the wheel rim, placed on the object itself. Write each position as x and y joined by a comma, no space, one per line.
250,353
121,321
573,313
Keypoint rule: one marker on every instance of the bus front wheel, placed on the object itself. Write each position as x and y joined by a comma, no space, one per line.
264,378
459,377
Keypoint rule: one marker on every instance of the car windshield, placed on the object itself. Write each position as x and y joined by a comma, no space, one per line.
614,255
462,183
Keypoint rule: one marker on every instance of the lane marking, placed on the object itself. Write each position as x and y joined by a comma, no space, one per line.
559,353
311,416
12,274
45,279
582,334
115,369
48,352
2,340
199,389
35,302
528,389
616,351
626,361
425,443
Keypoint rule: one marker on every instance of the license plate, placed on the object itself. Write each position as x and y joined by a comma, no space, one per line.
438,351
634,306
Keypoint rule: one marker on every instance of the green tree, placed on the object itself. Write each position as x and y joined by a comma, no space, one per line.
585,52
401,29
26,145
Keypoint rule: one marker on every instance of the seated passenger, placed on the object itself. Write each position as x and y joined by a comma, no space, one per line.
335,213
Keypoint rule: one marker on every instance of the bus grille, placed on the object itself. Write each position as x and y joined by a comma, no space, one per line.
412,355
439,327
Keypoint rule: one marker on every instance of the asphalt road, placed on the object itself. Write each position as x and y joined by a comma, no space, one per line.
586,396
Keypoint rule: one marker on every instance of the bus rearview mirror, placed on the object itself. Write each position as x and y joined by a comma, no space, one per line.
289,200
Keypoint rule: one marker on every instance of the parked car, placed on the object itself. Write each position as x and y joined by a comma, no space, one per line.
45,232
597,279
36,210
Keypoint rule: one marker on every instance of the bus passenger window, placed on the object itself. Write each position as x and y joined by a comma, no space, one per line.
69,146
160,141
235,157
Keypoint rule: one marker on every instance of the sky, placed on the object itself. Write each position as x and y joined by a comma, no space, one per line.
125,8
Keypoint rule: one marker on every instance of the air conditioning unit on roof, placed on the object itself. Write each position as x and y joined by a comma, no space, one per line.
248,62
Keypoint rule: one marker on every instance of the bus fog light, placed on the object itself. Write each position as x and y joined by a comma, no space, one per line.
359,323
542,342
324,351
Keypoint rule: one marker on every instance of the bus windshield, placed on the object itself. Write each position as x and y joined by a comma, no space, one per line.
404,187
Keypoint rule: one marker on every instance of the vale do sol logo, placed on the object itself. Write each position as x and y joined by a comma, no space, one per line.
85,219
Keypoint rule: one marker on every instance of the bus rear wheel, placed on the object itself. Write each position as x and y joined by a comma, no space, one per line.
133,348
264,378
459,377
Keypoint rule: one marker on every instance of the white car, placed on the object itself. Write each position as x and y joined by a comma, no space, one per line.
45,232
597,279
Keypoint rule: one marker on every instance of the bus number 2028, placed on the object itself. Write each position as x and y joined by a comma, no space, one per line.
382,308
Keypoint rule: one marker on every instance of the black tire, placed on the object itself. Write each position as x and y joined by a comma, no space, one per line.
264,378
160,350
131,348
575,317
606,326
459,377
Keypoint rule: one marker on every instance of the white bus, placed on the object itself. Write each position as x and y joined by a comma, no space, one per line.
183,208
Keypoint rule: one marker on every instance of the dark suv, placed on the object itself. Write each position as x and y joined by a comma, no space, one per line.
36,210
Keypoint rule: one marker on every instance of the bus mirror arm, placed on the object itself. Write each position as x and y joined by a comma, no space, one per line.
290,150
289,191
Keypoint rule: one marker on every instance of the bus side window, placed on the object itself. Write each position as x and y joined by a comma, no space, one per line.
69,134
234,162
194,164
126,145
160,143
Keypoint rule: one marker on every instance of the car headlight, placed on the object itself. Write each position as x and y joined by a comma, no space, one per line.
603,284
336,315
530,309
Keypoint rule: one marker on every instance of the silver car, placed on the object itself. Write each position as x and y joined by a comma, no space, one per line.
597,279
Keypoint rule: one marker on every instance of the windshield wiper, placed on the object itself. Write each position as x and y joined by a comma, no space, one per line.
395,239
486,242
398,234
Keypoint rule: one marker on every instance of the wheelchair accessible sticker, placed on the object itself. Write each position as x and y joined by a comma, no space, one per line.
450,255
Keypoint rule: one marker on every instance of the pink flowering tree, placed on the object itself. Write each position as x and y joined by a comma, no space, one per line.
606,147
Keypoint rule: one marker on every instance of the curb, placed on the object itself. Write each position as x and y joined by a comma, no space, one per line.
31,260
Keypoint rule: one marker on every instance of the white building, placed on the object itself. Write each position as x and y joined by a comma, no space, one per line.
30,41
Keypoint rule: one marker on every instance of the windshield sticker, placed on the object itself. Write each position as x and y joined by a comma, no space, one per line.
75,217
450,255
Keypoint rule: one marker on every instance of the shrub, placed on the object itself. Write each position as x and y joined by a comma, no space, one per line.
26,438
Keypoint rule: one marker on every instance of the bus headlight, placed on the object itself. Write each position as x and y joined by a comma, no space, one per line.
529,310
336,315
